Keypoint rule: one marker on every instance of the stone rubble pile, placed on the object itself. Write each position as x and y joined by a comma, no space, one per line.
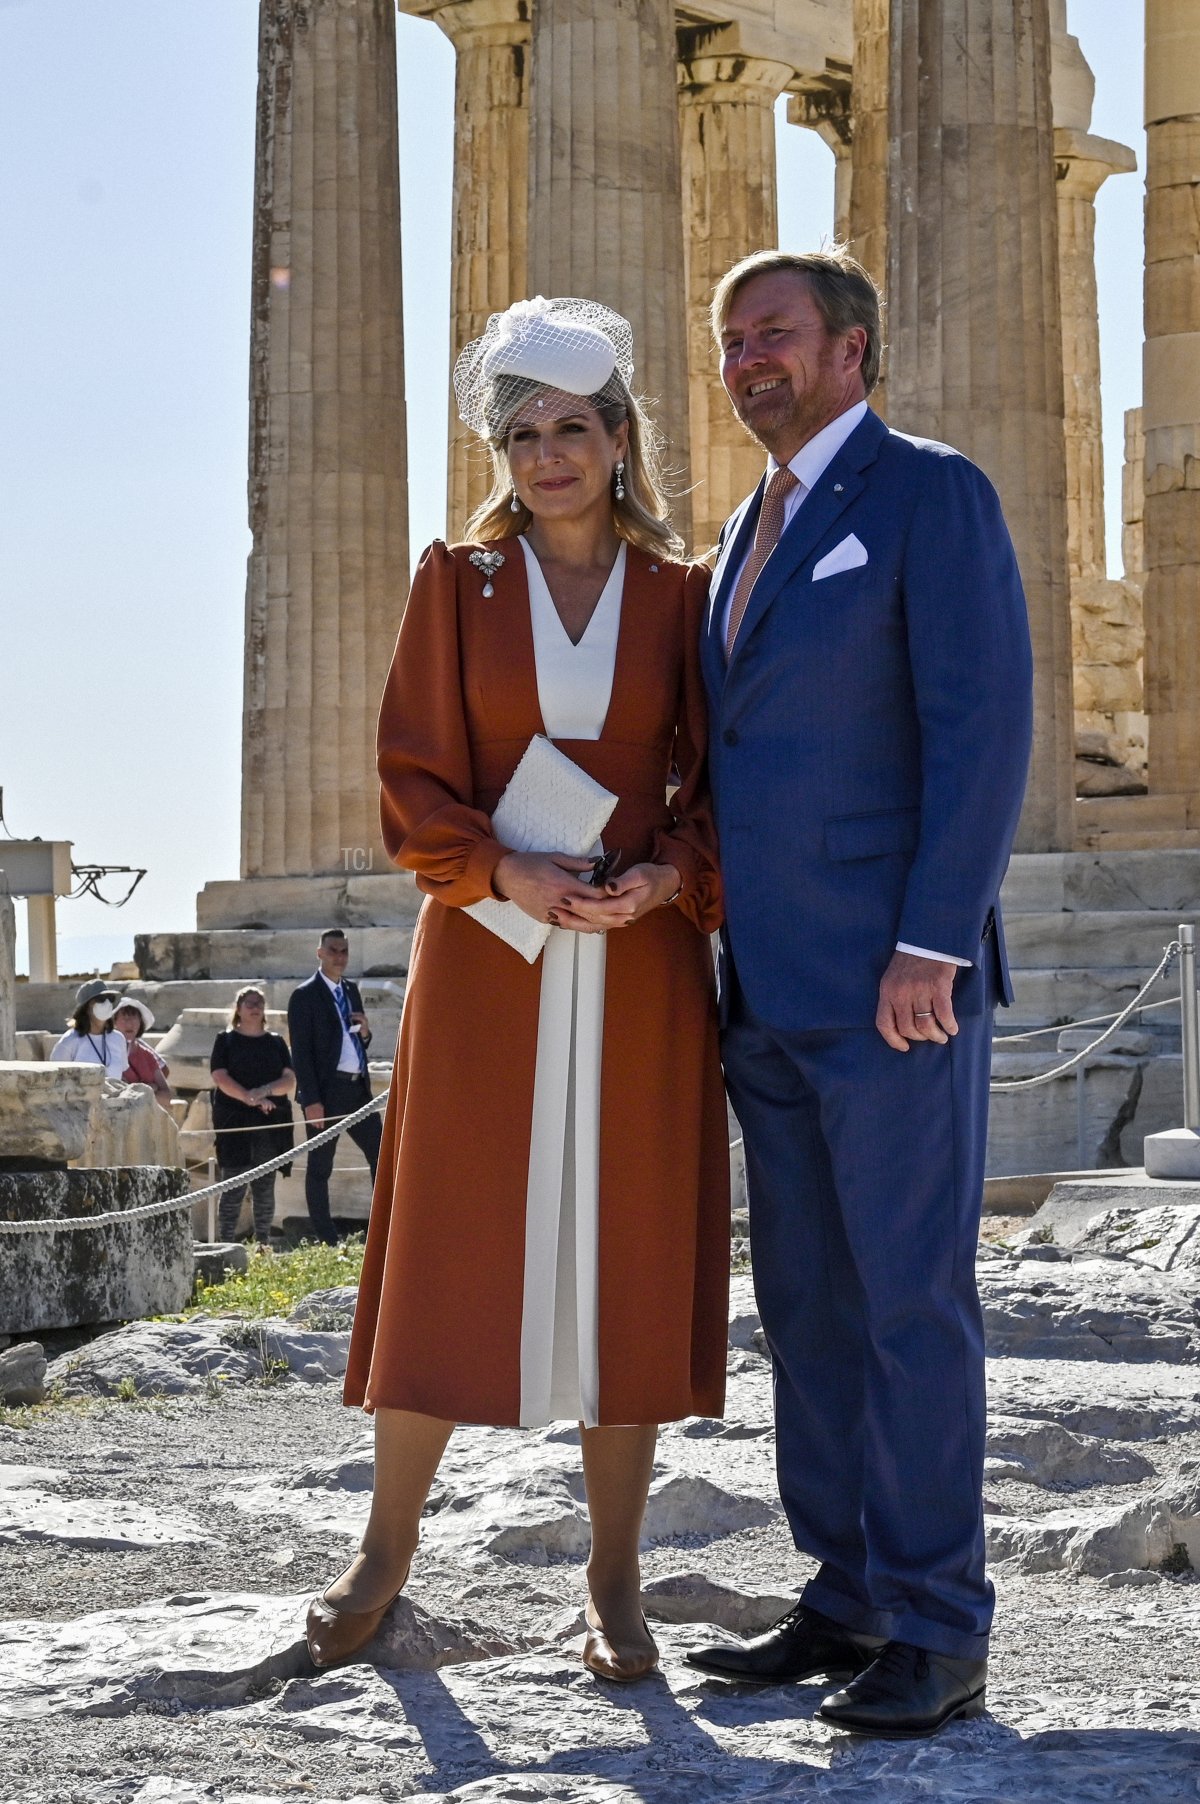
473,1691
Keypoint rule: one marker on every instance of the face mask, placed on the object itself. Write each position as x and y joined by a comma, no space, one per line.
102,1011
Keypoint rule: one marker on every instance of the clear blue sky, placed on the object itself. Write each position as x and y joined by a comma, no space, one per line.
126,170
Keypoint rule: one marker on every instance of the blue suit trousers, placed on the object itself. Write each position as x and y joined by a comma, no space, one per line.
865,1169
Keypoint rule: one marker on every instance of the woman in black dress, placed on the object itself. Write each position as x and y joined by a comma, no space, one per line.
253,1084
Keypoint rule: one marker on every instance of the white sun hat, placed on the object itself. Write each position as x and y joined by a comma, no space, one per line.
143,1011
568,346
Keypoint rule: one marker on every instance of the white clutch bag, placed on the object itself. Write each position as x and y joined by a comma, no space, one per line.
550,805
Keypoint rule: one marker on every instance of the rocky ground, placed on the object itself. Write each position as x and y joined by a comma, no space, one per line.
162,1525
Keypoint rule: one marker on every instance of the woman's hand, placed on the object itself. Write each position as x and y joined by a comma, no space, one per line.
623,900
542,883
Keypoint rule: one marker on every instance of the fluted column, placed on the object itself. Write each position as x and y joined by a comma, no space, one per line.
727,139
1133,501
605,207
489,251
329,563
973,306
1171,399
870,115
1082,164
1105,615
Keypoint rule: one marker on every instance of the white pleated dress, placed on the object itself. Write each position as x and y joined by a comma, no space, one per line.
560,1377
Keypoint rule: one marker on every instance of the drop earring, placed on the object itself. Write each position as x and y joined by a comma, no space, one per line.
619,490
514,505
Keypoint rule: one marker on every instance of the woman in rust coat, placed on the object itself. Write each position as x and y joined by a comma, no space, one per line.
550,1230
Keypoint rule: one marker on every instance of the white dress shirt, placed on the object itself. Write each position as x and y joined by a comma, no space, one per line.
808,466
349,1061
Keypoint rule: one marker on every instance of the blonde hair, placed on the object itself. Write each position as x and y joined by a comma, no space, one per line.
842,291
249,989
641,516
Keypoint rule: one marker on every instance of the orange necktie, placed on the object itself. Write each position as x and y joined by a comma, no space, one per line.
766,537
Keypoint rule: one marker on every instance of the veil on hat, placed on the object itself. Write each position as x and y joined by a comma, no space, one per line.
573,347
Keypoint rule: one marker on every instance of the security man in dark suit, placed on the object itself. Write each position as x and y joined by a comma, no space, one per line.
329,1035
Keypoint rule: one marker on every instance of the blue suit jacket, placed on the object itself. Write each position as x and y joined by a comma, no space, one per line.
870,738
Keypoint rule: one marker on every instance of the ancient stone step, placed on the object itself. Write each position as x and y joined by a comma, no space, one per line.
1041,997
1132,814
1101,938
1047,1129
380,899
1162,839
283,952
1043,882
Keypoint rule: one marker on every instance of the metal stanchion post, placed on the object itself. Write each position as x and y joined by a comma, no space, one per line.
212,1201
1175,1153
1190,1013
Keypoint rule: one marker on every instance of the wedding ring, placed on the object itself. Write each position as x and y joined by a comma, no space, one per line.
923,1014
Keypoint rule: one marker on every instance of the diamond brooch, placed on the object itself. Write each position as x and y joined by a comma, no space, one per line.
488,562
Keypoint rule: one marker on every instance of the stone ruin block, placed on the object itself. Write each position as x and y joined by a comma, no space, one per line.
44,1111
109,1274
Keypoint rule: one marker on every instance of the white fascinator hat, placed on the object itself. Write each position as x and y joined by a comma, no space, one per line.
569,347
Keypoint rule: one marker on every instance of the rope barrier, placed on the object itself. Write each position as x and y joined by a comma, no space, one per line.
1170,953
70,1224
1062,1027
264,1127
73,1223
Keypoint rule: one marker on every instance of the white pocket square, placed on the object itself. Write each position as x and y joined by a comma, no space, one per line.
846,556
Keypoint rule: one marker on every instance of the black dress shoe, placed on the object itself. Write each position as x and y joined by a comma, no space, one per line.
907,1693
800,1646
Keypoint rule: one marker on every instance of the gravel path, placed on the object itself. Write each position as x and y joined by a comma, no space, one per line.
1093,1696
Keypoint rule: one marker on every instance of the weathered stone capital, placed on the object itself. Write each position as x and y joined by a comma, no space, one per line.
729,80
824,107
1083,162
474,23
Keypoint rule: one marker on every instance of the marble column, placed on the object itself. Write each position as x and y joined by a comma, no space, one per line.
1171,400
1105,614
327,491
870,98
973,311
1133,500
727,139
605,204
489,254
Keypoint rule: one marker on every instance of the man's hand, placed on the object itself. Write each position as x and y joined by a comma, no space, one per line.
360,1021
314,1112
914,1001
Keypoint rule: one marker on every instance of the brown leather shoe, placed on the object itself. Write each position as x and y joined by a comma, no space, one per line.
335,1636
606,1660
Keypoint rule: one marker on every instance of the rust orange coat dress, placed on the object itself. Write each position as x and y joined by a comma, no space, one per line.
438,1327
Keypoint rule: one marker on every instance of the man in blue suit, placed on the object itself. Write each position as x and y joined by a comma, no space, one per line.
868,665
